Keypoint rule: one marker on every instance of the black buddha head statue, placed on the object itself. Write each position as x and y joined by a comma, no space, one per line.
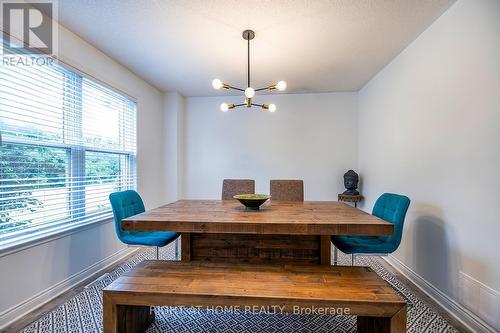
351,179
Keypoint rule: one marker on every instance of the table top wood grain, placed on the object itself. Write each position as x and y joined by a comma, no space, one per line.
275,217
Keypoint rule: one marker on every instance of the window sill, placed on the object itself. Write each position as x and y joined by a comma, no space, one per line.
48,236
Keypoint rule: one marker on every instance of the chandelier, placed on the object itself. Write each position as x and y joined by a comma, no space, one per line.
248,35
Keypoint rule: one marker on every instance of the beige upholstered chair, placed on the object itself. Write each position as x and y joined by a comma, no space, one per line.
231,187
287,190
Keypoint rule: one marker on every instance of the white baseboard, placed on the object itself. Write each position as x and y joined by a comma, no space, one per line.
459,312
18,311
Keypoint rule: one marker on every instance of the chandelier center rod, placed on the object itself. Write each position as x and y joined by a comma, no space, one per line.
248,62
248,35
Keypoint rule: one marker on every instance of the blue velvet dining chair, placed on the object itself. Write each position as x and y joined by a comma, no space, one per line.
389,207
129,203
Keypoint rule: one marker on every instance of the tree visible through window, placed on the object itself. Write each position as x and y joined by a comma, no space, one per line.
67,143
25,173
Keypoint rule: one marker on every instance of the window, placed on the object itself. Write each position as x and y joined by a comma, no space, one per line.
67,143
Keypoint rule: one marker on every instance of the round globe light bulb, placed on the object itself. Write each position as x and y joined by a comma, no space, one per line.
272,107
224,107
281,85
217,84
249,92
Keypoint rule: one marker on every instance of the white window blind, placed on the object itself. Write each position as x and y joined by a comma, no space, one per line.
68,142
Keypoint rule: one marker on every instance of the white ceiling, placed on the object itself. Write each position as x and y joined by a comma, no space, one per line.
315,45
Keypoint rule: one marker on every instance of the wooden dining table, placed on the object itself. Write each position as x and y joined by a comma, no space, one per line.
280,232
238,258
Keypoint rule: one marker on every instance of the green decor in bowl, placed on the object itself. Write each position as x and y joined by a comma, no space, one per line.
252,201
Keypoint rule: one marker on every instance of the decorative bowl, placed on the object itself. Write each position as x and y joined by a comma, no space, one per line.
252,201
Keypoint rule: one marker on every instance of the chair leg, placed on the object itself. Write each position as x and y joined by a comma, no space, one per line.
352,259
157,253
335,255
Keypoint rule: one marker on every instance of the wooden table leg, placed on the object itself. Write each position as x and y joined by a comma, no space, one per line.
133,318
109,315
325,250
125,318
394,324
185,246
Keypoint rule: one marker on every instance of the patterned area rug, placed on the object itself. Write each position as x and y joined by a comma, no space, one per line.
83,313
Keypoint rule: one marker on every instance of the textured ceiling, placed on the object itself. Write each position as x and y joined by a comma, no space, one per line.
315,45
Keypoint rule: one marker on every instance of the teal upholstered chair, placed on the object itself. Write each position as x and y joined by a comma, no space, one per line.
128,203
389,207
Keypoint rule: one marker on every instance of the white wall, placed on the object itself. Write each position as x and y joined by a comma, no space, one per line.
29,272
310,136
173,104
429,127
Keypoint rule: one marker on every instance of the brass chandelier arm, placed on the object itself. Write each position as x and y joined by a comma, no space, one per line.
264,106
271,87
265,88
232,106
227,86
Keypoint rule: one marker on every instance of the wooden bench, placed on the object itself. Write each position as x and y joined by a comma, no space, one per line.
318,289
